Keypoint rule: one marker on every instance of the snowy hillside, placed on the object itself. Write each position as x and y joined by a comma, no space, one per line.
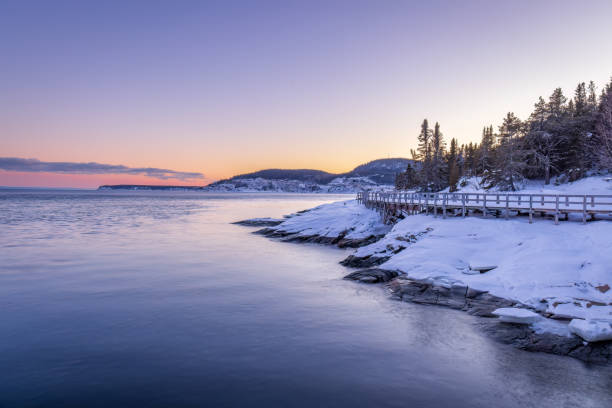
589,185
377,174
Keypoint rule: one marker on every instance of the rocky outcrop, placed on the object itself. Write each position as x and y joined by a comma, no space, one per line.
372,275
368,261
453,295
481,303
339,241
525,338
260,222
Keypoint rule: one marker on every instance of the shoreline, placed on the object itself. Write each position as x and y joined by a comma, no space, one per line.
550,335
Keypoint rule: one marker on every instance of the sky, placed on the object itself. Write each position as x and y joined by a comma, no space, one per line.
188,92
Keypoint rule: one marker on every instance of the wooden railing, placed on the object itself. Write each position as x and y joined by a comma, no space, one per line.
557,204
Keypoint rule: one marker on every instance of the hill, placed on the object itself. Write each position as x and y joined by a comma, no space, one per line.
374,174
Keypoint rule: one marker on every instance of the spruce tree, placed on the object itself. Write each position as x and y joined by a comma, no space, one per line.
453,166
603,129
424,154
438,170
510,158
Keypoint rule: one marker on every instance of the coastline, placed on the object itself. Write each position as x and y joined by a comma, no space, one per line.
381,257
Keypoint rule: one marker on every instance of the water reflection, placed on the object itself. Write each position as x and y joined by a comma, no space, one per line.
157,300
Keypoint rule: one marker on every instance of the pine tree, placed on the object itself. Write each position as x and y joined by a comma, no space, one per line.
453,166
485,159
438,170
424,154
592,98
510,156
603,129
543,146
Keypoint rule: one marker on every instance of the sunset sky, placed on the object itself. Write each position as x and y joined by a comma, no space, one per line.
228,87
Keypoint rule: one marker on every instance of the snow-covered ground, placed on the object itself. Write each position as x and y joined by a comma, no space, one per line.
594,185
564,271
561,269
342,218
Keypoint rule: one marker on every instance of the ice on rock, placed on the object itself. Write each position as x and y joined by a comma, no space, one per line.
592,330
516,315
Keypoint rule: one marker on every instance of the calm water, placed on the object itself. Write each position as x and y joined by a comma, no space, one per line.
121,299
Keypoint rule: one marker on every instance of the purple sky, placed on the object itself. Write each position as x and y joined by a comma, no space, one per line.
228,87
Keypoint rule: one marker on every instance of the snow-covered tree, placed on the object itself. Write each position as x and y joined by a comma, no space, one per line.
510,156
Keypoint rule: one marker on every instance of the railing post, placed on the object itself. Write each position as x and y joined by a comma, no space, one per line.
463,205
507,206
435,205
484,206
530,209
444,202
557,210
584,205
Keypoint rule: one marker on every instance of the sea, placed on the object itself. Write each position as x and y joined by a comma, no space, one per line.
156,299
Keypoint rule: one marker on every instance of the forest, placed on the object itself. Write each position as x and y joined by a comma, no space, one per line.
564,139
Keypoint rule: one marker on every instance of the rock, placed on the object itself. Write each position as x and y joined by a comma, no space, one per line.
516,315
603,288
482,269
260,222
524,337
364,262
592,330
340,241
372,275
472,293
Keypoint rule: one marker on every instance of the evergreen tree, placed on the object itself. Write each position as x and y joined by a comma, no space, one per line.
542,145
510,157
485,159
603,129
407,180
453,165
424,153
438,170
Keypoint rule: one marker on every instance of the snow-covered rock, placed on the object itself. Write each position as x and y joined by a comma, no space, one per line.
344,222
592,330
516,315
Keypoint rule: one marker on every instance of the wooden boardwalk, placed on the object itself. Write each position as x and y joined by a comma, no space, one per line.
392,204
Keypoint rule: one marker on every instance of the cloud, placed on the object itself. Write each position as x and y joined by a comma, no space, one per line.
37,166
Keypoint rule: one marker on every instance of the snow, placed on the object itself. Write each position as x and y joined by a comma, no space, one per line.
563,271
552,268
335,219
590,185
516,315
592,330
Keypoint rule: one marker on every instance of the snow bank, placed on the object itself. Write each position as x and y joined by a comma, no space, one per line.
344,218
516,315
592,330
589,185
561,269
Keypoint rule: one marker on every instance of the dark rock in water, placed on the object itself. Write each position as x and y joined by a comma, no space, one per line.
455,296
259,222
524,337
372,275
481,303
364,261
339,241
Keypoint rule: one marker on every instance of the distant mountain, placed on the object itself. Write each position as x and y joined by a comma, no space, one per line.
381,171
147,187
375,174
